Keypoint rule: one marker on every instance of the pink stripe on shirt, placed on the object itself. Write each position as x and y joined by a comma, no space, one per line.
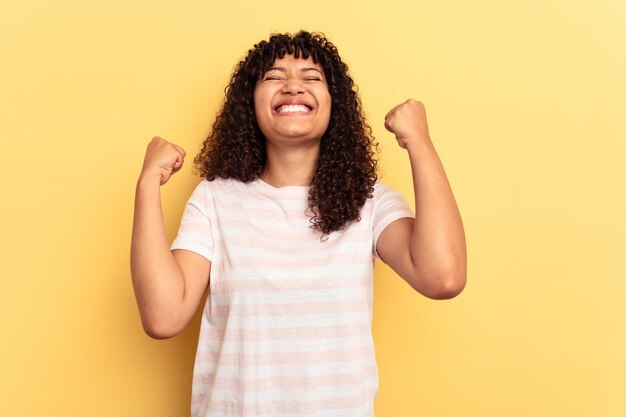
286,328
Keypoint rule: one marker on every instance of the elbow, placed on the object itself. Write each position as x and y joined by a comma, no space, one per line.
159,329
449,290
159,334
444,286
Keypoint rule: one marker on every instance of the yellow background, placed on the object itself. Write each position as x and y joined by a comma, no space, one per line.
525,102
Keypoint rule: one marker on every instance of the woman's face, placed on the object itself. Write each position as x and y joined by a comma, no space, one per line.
292,102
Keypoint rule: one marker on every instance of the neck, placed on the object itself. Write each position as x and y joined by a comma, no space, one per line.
290,166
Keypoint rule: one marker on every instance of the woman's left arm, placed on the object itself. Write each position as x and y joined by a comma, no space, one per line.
428,252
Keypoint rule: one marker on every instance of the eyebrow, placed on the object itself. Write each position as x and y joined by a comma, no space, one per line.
283,69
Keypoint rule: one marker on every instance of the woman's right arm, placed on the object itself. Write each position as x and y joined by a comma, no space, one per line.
168,285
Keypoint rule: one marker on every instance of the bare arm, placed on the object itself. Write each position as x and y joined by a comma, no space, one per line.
428,252
168,284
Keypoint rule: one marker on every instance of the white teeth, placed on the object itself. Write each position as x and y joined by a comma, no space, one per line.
292,108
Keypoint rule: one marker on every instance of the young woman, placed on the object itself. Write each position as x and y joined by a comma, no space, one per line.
283,233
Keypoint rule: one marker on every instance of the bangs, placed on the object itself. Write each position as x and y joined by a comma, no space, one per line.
281,45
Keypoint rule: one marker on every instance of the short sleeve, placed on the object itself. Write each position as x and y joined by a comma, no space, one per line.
194,233
389,205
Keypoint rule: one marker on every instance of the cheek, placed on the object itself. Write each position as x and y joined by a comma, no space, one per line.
329,106
328,99
256,100
259,109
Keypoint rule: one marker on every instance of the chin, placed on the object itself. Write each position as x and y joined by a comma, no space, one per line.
296,133
294,138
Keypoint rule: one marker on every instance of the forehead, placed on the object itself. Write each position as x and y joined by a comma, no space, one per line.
289,61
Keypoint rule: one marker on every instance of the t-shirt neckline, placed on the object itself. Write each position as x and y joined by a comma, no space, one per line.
285,189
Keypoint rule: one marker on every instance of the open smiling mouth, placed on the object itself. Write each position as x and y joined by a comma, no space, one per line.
293,108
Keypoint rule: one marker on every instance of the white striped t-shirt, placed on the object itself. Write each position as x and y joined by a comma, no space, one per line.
286,328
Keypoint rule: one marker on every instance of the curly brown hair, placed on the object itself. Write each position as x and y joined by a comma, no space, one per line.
346,167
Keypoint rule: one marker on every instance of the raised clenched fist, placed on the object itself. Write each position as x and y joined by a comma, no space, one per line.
162,158
408,122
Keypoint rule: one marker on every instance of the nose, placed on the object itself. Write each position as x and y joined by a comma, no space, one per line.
292,85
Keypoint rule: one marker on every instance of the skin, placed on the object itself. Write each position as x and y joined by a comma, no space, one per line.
168,285
292,138
428,253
